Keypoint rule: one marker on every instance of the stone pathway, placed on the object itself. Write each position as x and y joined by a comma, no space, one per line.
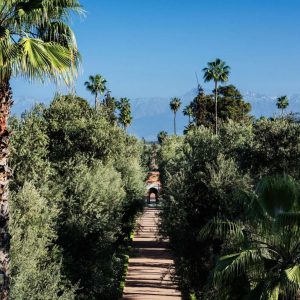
150,264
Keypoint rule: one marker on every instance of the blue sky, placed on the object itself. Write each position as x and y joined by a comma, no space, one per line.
153,47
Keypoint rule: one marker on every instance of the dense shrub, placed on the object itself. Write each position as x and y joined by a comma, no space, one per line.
205,176
89,227
200,182
276,148
87,179
36,268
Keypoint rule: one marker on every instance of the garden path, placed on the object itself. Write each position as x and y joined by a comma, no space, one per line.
150,265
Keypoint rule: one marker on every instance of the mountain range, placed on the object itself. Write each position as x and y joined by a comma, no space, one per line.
152,115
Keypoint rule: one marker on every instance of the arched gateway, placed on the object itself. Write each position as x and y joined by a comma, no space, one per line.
153,191
153,186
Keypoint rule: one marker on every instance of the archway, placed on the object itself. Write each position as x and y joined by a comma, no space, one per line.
152,191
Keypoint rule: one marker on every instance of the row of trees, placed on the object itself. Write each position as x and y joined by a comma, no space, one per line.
97,86
36,42
201,111
225,103
77,184
218,72
231,209
77,188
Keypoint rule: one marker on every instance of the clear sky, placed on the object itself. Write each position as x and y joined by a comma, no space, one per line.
153,47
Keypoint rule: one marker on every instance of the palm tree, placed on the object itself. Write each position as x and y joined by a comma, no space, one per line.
125,117
267,252
216,71
175,105
162,135
35,43
282,103
96,85
188,111
110,106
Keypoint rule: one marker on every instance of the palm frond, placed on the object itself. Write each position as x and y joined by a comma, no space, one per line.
217,71
288,219
275,292
45,44
230,267
58,32
277,194
218,228
293,275
39,59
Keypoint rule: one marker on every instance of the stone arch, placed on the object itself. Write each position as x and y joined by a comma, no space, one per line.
152,190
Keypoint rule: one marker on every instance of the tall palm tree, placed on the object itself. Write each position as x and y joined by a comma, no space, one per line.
110,105
282,103
175,105
267,256
188,111
35,43
97,86
125,117
216,71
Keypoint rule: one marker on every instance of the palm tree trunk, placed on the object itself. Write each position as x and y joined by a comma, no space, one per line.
175,123
216,106
96,100
5,175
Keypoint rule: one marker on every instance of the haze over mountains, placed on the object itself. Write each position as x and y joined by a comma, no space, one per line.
152,115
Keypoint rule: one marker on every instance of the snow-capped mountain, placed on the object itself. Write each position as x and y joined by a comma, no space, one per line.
152,115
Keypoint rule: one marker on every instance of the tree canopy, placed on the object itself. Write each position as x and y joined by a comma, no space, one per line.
231,106
35,40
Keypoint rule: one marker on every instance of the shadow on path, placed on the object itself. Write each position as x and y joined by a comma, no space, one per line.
151,265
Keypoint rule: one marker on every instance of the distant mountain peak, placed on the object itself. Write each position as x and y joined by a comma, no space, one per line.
152,114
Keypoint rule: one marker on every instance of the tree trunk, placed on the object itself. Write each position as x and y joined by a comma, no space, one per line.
175,123
96,100
5,175
216,105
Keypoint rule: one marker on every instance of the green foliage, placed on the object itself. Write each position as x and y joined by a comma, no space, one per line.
199,183
125,117
188,111
84,132
29,147
110,107
36,268
211,210
216,71
282,103
231,106
175,105
36,41
266,249
147,155
275,148
277,194
89,228
97,86
87,185
162,136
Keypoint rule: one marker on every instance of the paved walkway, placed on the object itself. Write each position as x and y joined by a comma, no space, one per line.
150,264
